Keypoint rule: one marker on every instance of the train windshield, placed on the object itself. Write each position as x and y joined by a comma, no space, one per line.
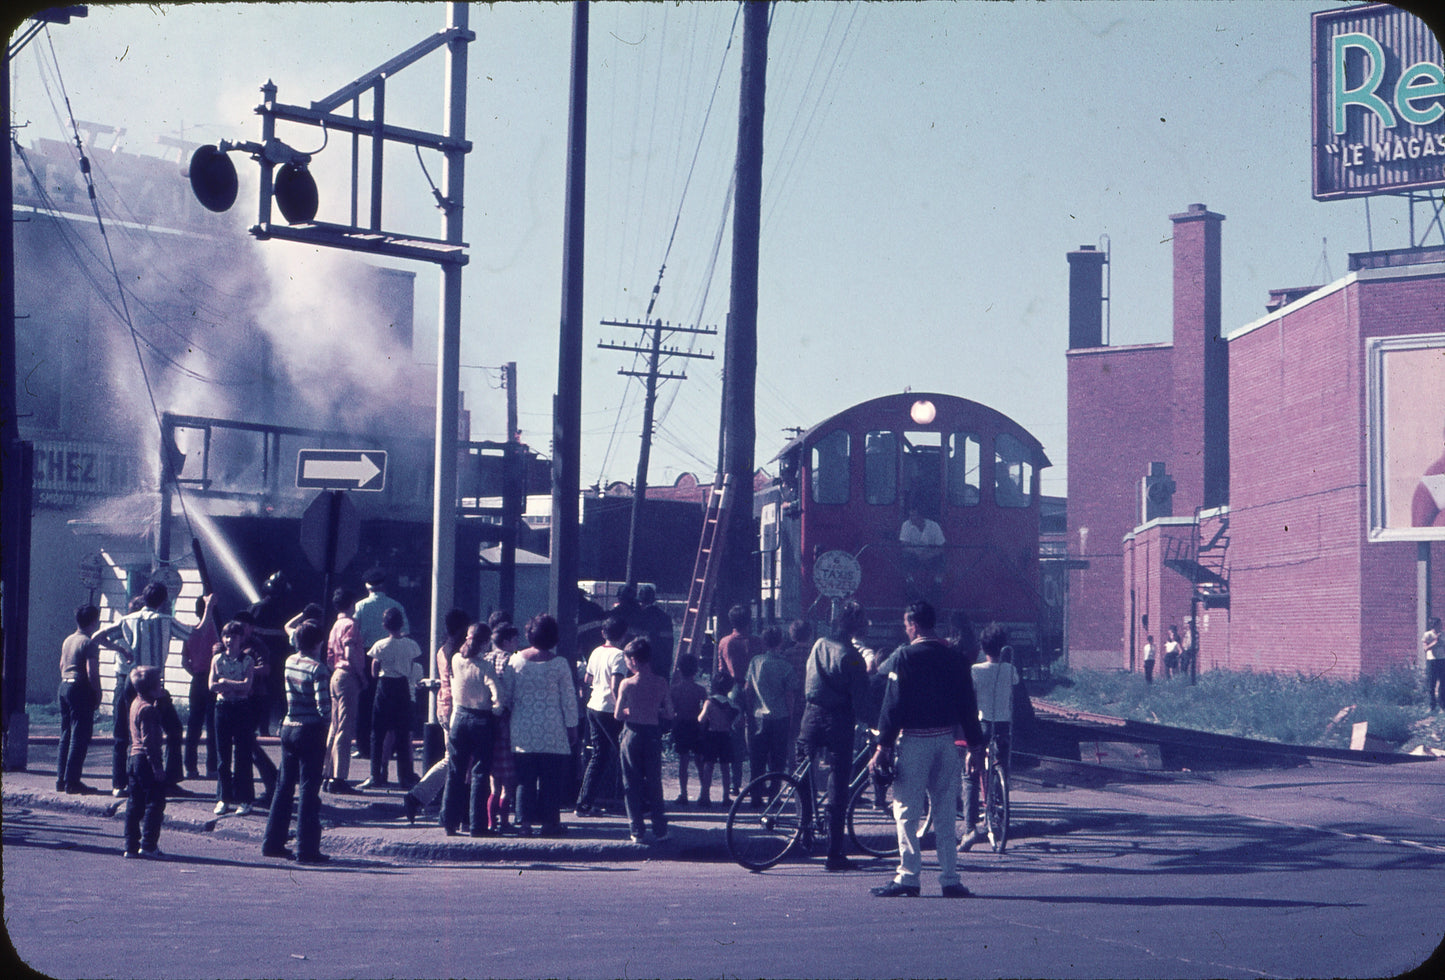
1013,472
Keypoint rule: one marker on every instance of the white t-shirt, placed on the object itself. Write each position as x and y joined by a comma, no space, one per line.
994,685
930,535
605,663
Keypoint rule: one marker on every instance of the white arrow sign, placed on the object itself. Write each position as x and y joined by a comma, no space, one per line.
341,469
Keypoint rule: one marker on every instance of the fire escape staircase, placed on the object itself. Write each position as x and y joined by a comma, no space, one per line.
1203,558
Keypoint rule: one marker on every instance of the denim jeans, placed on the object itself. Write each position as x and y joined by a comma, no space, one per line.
303,754
236,738
146,806
469,751
201,716
77,724
540,780
642,777
927,766
606,733
391,712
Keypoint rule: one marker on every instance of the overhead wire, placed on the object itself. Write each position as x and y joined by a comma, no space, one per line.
115,271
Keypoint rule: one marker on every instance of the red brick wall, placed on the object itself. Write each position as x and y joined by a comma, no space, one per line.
1119,422
1158,592
1309,591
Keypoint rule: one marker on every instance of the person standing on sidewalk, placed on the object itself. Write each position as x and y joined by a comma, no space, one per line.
145,806
476,699
368,614
643,704
233,674
835,692
1434,644
606,668
196,654
143,638
769,691
929,698
392,659
79,694
303,749
346,658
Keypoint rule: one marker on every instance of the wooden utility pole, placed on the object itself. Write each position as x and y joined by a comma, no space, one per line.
650,377
739,580
513,502
567,403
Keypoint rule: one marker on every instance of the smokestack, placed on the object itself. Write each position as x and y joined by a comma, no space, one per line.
1201,361
1086,297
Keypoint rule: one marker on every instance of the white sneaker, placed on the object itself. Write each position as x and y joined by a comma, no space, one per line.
969,839
243,809
220,807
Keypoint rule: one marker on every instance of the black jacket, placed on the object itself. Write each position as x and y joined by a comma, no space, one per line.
930,686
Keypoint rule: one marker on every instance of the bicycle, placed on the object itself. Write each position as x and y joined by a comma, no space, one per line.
794,814
995,794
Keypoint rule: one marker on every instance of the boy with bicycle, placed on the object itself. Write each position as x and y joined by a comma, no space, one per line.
993,683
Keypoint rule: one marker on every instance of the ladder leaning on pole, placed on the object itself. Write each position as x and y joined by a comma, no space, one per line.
704,573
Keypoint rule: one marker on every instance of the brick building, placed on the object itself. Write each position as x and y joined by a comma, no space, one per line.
1223,477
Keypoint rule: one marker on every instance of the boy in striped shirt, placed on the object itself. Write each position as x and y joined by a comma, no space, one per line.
303,750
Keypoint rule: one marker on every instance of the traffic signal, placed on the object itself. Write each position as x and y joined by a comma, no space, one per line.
295,194
213,178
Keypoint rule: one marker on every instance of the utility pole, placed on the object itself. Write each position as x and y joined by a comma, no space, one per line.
739,578
567,403
512,503
650,379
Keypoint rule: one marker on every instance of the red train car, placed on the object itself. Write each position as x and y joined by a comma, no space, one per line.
831,522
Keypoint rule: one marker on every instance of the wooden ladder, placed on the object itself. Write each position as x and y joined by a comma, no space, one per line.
705,572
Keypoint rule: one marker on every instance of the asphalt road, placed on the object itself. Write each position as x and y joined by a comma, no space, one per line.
1321,872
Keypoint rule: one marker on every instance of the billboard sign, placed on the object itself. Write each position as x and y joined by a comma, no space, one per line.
1406,423
1378,103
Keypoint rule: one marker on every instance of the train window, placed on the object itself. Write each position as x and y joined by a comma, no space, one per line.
880,467
962,469
923,472
830,468
1013,472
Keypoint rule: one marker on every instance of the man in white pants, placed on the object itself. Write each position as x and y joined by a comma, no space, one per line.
929,700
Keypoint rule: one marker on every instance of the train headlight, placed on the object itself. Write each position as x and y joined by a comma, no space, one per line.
922,412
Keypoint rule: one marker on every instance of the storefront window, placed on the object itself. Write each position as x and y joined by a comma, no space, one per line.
830,468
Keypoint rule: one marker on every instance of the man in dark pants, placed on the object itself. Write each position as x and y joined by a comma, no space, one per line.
836,694
929,699
143,638
78,695
196,656
303,750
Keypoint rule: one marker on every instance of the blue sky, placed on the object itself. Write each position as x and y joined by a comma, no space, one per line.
926,168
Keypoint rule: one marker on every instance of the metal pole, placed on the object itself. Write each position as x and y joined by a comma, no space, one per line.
567,405
739,580
444,500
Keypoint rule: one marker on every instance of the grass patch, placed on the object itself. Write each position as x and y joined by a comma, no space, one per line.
1296,709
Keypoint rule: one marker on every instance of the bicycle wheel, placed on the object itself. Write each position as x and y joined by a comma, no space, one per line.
871,826
759,839
996,808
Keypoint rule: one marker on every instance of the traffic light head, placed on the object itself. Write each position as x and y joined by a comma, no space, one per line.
213,178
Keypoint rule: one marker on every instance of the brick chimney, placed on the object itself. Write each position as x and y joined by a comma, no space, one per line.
1200,394
1086,297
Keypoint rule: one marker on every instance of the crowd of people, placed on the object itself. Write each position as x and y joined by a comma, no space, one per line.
517,753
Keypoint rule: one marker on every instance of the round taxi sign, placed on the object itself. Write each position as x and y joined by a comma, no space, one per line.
837,574
90,571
